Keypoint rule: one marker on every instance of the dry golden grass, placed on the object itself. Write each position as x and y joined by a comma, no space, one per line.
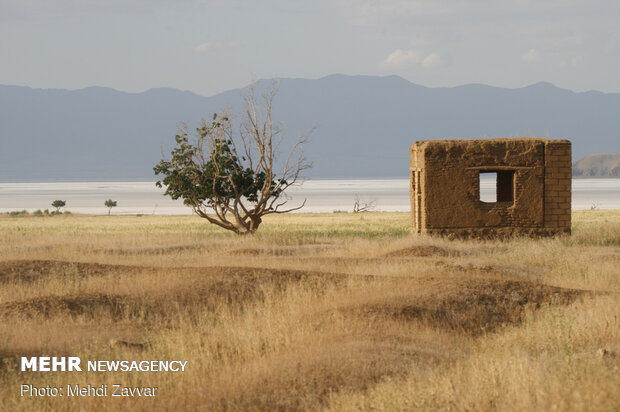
315,312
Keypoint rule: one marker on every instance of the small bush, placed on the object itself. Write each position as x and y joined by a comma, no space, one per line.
58,204
38,212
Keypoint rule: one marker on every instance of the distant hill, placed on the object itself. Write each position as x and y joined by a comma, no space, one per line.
365,124
598,165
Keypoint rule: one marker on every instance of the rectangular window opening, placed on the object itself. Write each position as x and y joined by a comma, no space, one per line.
496,186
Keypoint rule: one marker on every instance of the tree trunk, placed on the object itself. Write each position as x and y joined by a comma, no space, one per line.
254,224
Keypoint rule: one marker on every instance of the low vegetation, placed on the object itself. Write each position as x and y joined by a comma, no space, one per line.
315,312
110,204
58,204
37,212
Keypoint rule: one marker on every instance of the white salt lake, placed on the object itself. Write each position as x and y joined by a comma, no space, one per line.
321,196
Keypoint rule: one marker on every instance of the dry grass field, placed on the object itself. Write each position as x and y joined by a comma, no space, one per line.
316,312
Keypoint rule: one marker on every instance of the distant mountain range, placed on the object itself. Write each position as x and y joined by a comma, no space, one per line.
364,124
598,165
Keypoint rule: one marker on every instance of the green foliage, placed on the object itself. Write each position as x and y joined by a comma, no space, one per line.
229,190
58,204
110,204
220,177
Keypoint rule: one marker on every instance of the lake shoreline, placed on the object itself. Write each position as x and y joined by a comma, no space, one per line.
322,196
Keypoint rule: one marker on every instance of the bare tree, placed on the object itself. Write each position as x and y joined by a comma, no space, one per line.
363,205
230,179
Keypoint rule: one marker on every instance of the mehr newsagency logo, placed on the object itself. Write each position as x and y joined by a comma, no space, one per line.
74,364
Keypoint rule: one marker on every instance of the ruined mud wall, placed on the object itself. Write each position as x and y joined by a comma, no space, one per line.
558,175
533,187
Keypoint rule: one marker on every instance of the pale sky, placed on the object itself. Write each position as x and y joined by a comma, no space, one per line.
208,46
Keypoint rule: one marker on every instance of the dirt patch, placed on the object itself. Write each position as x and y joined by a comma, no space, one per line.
86,304
8,363
32,270
424,251
477,306
155,250
213,287
334,261
469,267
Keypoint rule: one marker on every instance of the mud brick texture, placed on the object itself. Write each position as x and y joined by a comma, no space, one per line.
533,187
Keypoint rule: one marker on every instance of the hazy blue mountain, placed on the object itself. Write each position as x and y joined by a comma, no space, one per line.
598,165
365,124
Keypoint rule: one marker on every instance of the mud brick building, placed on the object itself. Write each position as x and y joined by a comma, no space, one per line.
532,192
